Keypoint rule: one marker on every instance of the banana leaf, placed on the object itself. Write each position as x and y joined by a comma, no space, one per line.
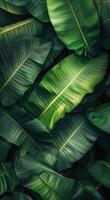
104,12
12,9
4,149
100,117
31,125
56,50
20,63
105,16
73,137
16,196
25,28
14,133
48,183
76,23
8,178
36,8
17,2
64,87
57,187
101,172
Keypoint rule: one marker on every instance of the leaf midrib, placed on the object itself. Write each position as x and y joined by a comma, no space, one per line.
61,93
77,22
63,146
16,25
18,67
51,189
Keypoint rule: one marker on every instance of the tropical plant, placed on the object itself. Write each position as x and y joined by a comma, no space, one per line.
54,100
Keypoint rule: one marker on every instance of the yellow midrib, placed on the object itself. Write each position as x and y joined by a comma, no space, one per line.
8,80
71,136
61,92
14,26
72,9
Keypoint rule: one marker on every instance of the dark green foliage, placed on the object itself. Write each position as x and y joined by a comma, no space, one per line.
54,100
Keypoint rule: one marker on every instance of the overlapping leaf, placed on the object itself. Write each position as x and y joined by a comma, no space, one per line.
24,28
16,196
4,149
104,12
63,87
100,117
76,23
20,63
73,137
14,133
57,187
41,74
8,178
101,171
31,125
12,9
36,8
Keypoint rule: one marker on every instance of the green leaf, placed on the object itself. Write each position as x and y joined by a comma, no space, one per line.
73,137
29,165
31,125
64,87
98,2
16,75
36,8
91,100
76,23
101,171
100,117
57,187
48,183
8,178
7,18
104,12
83,176
17,2
4,149
14,133
56,50
16,196
105,17
24,28
57,45
51,186
12,9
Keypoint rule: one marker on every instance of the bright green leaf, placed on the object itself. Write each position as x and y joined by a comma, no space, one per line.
76,23
64,87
